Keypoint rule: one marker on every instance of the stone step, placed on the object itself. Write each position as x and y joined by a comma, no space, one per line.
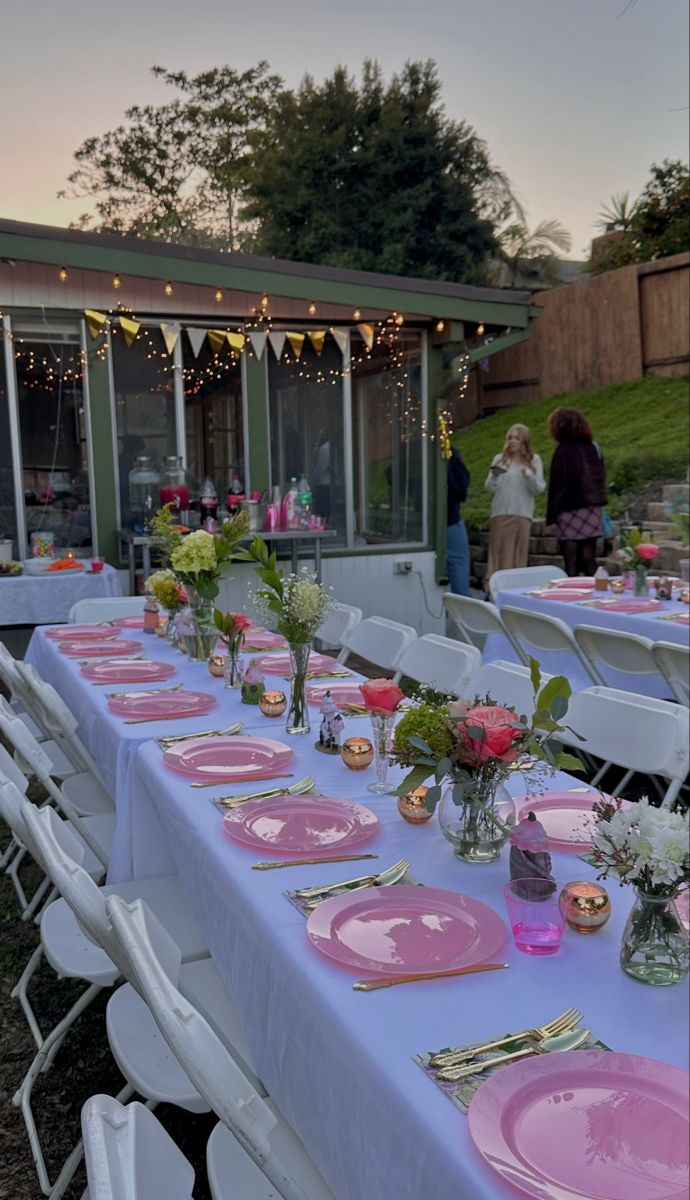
676,491
656,511
658,531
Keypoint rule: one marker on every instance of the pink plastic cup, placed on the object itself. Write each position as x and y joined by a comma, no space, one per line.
535,917
97,563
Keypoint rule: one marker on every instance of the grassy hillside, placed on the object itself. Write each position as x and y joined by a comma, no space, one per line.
642,429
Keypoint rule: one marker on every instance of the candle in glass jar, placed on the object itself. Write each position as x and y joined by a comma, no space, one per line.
273,704
585,906
412,808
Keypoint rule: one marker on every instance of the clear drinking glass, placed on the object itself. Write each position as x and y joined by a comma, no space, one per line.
382,727
534,914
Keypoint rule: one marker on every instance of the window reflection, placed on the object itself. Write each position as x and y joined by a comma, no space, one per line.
8,520
144,406
213,415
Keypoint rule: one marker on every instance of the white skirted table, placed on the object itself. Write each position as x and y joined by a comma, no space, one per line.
47,599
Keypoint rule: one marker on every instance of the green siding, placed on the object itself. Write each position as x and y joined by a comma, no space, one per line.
258,438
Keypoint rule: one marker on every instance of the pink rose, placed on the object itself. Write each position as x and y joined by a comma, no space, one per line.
381,696
500,732
241,623
647,551
182,594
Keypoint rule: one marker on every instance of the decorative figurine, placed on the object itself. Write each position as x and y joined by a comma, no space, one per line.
253,686
664,588
601,580
529,851
151,613
331,728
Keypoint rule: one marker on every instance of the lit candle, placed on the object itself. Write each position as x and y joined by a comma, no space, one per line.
273,704
357,753
585,906
412,808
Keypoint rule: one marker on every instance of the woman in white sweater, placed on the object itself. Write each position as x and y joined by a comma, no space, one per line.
516,477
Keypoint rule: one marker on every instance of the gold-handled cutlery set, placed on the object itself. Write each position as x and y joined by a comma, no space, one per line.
558,1035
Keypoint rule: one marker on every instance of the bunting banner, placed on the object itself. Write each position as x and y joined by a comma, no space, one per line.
130,329
197,337
317,338
342,337
258,341
236,341
367,335
216,339
296,340
171,331
95,322
277,341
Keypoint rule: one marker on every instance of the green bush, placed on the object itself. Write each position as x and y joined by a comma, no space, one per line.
641,428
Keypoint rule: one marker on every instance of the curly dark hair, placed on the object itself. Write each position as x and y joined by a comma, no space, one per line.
569,425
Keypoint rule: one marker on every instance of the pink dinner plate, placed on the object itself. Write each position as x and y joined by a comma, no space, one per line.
341,693
173,704
572,581
587,1125
566,817
130,672
301,824
681,618
262,639
136,622
90,648
279,664
406,928
73,633
228,757
632,605
563,595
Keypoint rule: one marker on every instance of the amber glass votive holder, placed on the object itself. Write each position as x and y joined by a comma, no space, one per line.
412,808
585,906
357,753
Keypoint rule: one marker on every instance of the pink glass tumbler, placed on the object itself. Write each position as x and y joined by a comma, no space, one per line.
535,917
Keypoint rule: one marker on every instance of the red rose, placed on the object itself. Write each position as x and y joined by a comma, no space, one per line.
647,551
499,729
381,696
241,623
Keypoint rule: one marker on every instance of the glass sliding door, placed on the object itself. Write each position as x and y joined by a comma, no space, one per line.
52,431
213,417
8,510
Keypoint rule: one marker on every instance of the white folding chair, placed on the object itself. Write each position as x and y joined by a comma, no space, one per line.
21,697
379,641
542,632
507,683
442,663
640,734
92,612
134,1039
673,662
477,619
628,653
342,619
254,1148
130,1156
522,577
12,788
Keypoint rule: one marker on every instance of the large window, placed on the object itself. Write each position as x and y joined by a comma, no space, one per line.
144,404
52,429
306,416
8,518
213,416
388,442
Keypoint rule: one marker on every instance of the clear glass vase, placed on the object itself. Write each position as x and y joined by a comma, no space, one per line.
298,711
654,949
479,824
382,728
197,631
640,585
233,674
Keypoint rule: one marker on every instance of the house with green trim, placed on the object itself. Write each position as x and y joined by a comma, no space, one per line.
245,367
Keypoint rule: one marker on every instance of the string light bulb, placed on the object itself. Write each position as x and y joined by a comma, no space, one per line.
440,326
168,289
117,282
357,315
312,309
480,329
264,301
62,275
399,318
219,295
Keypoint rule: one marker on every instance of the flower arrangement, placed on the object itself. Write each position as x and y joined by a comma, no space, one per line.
231,628
166,535
296,605
165,587
634,552
199,558
382,697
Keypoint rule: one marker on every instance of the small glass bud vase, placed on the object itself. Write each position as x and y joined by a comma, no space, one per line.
298,711
382,727
655,944
641,585
233,674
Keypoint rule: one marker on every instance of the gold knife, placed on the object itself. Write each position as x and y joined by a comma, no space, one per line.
373,985
307,862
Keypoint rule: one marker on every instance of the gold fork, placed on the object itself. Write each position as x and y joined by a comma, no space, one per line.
167,740
298,789
450,1058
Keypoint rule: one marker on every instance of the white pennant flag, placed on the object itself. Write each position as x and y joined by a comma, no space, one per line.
342,337
277,341
171,332
196,338
258,341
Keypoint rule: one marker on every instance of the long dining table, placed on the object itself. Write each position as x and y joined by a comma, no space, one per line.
338,1062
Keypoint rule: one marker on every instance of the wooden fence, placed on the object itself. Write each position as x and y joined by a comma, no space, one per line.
605,329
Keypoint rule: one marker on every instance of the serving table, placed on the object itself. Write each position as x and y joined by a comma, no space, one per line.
338,1063
652,625
47,598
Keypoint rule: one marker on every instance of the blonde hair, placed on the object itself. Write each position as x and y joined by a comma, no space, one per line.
525,453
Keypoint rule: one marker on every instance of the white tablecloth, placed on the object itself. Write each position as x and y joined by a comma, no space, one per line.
47,599
337,1062
649,625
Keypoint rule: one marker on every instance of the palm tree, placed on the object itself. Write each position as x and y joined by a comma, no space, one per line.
530,256
617,215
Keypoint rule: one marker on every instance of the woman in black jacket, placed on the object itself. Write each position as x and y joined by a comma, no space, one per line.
577,490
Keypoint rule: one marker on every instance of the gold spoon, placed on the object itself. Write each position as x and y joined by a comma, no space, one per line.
550,1045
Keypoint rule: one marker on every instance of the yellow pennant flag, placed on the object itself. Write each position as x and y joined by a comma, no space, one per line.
296,340
130,329
216,339
317,338
367,332
236,341
95,321
171,332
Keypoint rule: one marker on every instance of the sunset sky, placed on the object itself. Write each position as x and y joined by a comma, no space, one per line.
575,98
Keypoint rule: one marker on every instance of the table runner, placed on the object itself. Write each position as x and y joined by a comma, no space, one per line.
43,599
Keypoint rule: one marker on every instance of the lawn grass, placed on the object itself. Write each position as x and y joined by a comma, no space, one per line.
641,427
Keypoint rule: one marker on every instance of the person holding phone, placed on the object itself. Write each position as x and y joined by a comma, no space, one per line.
516,478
